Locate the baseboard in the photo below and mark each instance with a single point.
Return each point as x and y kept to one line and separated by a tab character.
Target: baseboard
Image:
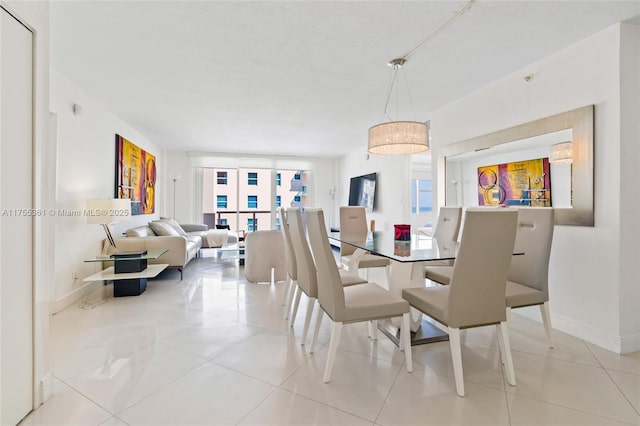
89	289
630	344
592	335
46	387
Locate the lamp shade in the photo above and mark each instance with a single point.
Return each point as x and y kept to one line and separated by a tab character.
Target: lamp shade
106	211
398	138
561	153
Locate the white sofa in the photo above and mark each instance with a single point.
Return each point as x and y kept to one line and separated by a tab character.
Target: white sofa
181	248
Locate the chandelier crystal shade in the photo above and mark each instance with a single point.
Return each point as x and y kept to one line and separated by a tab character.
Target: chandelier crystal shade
398	138
561	153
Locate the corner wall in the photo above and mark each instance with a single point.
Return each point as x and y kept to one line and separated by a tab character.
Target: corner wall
86	169
585	268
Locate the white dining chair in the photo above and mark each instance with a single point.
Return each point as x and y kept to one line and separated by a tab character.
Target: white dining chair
344	305
475	296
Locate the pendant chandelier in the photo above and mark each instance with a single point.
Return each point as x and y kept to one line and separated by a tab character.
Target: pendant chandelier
561	153
398	137
405	137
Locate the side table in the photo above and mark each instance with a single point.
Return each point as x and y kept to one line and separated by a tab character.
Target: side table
130	271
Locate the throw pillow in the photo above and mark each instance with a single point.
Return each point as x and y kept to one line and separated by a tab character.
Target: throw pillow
163	229
172	223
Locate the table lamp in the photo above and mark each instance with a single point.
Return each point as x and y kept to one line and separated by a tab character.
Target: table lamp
107	211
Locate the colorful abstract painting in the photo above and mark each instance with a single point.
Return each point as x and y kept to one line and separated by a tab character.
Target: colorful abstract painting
135	176
521	183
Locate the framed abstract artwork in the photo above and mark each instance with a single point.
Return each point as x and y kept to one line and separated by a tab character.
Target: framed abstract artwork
135	176
521	183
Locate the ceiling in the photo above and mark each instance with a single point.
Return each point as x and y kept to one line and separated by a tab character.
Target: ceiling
304	78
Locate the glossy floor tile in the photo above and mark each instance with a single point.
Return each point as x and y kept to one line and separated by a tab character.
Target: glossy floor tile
213	349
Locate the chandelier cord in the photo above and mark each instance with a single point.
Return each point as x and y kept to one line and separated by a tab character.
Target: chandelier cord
458	14
396	64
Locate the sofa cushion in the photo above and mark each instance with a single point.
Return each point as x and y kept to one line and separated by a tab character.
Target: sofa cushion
163	229
172	223
140	231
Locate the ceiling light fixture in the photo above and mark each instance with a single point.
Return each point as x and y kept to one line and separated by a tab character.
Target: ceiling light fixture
404	137
561	153
398	137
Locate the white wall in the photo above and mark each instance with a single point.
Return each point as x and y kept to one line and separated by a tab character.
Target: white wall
392	202
629	178
85	170
585	269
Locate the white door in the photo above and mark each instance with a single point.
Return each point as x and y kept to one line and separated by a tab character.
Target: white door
16	229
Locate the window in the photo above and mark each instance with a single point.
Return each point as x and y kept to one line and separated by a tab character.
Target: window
278	223
252	201
222	178
421	196
278	179
296	198
223	222
252	225
296	176
253	178
278	201
221	201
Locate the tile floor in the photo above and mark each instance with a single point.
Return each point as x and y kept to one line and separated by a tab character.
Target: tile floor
214	350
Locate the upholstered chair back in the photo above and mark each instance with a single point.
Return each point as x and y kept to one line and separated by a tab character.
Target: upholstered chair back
448	225
353	225
330	290
307	278
533	237
478	282
289	254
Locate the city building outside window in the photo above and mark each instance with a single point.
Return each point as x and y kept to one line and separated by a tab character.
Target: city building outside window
252	201
296	199
221	201
278	179
223	221
253	178
278	223
222	178
252	225
296	176
278	201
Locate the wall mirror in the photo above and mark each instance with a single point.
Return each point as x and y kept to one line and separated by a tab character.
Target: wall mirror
568	188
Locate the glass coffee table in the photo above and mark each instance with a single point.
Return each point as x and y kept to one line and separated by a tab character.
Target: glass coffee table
233	251
129	272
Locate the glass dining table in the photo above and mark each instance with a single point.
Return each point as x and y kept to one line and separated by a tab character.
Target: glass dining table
406	270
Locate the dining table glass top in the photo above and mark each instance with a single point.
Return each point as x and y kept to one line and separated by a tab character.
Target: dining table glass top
419	248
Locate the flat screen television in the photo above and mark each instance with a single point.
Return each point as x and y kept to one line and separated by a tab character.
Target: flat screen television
362	191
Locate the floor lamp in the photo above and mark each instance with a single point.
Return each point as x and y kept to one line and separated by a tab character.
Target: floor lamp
176	178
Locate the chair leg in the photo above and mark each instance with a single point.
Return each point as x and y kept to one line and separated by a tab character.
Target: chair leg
294	286
508	315
546	319
287	288
296	304
333	348
316	329
405	339
307	319
369	330
505	351
456	357
374	330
